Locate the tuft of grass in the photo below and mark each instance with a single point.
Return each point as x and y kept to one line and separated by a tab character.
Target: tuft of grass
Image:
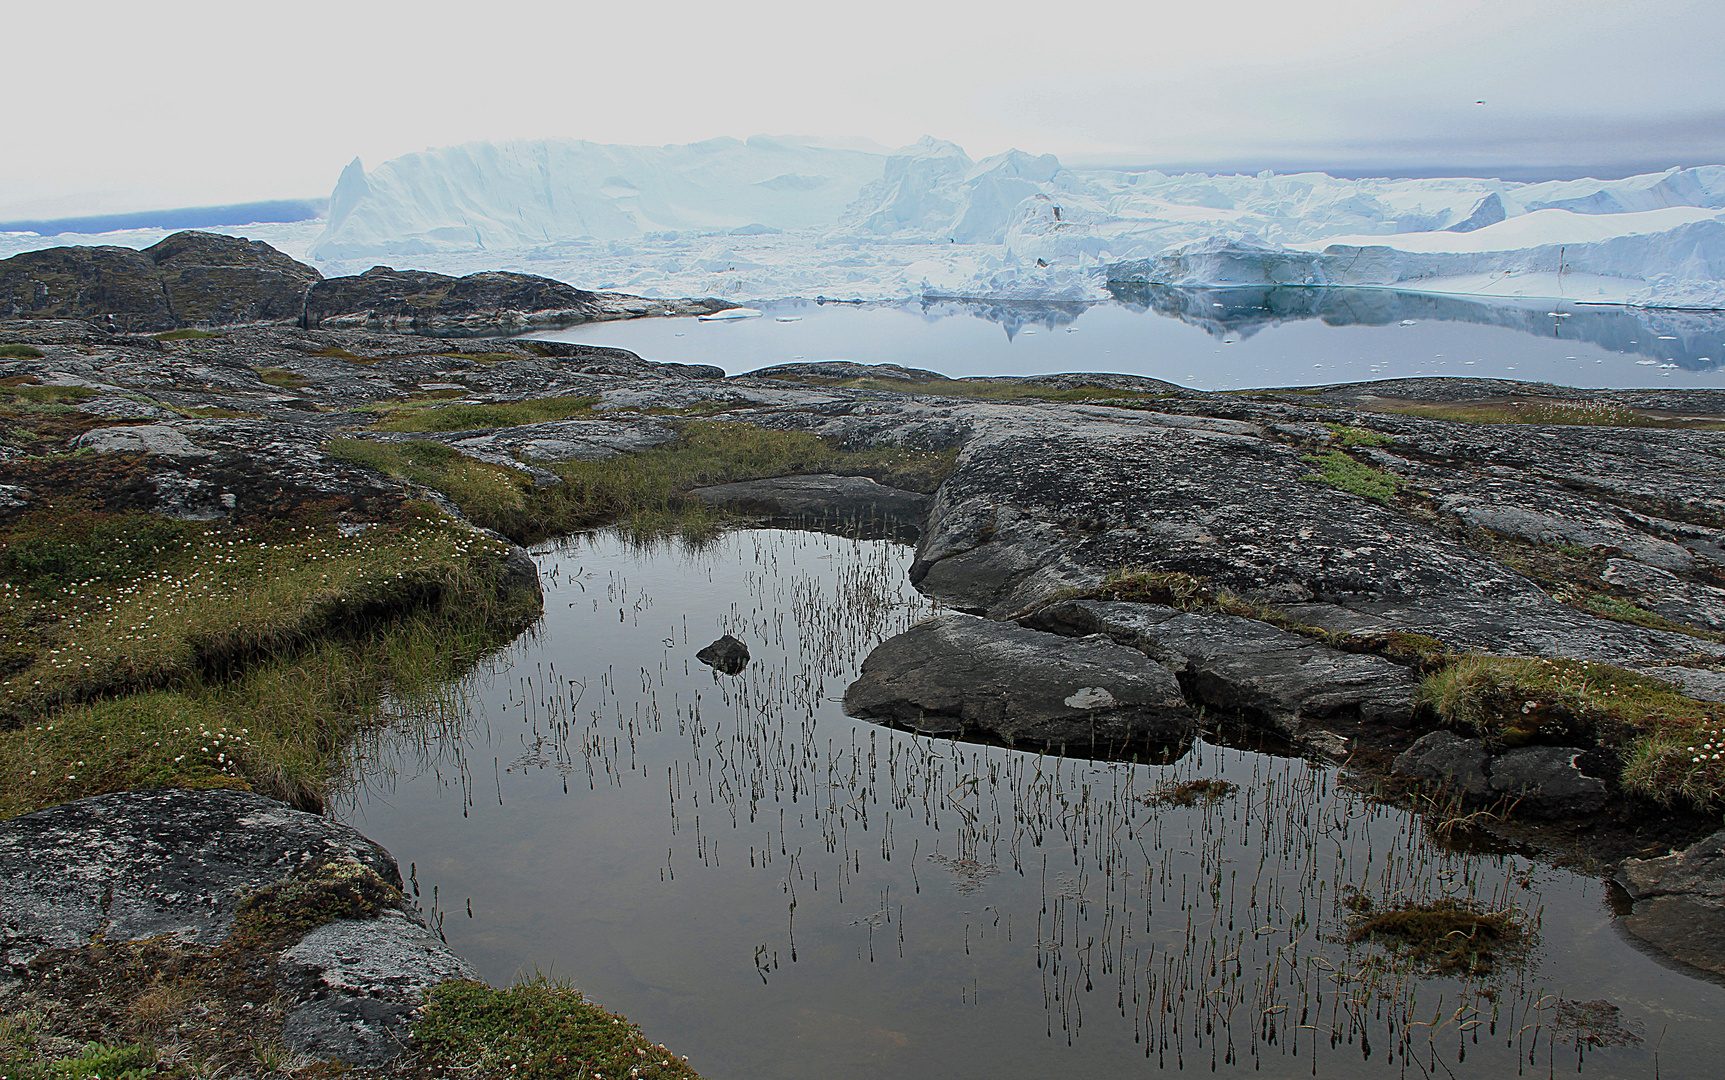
1617	609
281	377
1341	471
26	395
1190	793
1418	651
477	417
1188	593
20	352
537	1030
1518	700
490	495
187	334
1439	937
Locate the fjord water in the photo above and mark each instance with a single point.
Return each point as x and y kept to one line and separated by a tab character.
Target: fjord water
777	890
1213	339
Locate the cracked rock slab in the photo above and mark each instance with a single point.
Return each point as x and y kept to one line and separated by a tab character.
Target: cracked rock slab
957	673
1275	678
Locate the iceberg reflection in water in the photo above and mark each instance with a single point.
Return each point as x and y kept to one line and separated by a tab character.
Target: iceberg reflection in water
778	890
1212	339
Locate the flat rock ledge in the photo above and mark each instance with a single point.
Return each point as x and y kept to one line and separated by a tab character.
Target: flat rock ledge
957	674
142	864
1680	903
846	502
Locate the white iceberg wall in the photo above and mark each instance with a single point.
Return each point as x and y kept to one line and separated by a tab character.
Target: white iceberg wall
497	196
771	217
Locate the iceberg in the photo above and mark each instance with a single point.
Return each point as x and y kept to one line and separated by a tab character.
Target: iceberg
775	217
491	196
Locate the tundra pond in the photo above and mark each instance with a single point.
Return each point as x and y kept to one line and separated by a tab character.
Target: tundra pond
779	890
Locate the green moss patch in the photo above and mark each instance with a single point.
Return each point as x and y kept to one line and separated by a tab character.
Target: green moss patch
478	417
1355	436
1344	473
276	917
26	394
20	352
282	377
186	335
95	1061
537	1030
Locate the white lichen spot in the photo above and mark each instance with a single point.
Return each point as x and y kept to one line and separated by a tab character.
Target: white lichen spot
1091	697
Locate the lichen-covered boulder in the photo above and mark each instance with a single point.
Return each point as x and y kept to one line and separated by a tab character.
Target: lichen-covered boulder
138	864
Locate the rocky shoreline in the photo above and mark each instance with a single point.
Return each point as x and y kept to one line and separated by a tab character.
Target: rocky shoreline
1130	564
197	280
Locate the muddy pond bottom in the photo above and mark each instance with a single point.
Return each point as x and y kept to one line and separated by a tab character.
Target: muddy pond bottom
777	890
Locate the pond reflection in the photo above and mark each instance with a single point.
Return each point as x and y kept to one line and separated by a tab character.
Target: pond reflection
1210	339
778	890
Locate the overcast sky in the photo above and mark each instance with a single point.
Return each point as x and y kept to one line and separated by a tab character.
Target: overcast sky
126	105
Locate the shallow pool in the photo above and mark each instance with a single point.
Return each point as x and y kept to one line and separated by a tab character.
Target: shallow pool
1221	339
777	890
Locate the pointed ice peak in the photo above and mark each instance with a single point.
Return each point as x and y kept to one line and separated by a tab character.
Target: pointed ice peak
349	190
1039	169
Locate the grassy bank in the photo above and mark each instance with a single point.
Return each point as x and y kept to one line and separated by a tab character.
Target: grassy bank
138	651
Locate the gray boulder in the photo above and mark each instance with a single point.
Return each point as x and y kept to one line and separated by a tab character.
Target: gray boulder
958	674
1548	781
141	439
1449	760
1697	874
1275	678
1680	903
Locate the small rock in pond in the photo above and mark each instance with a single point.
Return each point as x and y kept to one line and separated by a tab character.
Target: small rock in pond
726	654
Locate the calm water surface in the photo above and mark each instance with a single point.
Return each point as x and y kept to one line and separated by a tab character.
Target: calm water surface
1213	339
777	890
